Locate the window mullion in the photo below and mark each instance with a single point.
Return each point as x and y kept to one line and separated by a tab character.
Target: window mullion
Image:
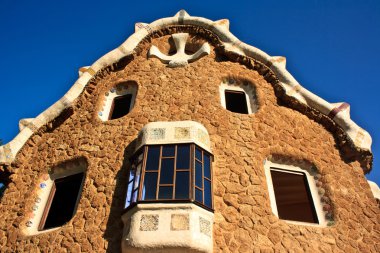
159	173
175	172
203	179
192	172
142	175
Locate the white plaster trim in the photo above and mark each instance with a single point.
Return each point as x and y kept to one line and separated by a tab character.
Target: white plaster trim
180	58
174	132
375	189
359	136
43	195
313	190
163	237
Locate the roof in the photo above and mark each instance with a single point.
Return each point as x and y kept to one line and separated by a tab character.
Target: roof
339	113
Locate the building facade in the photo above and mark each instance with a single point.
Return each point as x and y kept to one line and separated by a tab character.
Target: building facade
185	139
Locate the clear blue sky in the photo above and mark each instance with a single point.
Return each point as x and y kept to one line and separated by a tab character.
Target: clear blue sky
332	47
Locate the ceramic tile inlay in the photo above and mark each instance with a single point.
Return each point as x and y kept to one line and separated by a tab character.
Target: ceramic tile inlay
149	222
179	222
205	226
182	133
202	137
157	133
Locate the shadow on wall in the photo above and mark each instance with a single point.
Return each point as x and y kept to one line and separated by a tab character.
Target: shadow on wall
114	228
4	179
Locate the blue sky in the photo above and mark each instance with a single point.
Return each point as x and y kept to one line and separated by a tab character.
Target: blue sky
332	47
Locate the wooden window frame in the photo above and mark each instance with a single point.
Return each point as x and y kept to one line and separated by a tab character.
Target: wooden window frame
50	201
247	107
113	105
190	170
308	192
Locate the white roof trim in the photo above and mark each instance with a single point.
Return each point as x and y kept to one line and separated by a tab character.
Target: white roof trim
341	116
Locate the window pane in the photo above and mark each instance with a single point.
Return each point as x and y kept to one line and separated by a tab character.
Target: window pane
198	195
129	195
198	174
182	185
198	154
166	192
206	168
167	171
183	157
150	186
134	196
168	150
208	196
236	101
132	172
63	205
293	198
153	158
137	177
121	106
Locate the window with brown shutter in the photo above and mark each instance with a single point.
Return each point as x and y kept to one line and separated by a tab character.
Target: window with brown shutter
293	197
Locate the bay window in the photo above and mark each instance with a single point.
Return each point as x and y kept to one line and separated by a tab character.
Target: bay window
170	173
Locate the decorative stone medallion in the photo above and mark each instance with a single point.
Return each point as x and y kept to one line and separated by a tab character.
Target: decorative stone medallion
205	226
157	133
182	133
149	222
179	222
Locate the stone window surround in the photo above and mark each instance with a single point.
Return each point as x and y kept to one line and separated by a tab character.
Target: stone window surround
249	90
120	89
45	186
322	221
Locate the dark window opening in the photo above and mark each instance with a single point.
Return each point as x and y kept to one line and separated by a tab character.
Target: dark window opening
171	172
62	201
4	179
121	106
293	196
236	101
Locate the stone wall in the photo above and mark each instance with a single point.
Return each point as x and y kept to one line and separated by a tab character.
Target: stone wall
240	143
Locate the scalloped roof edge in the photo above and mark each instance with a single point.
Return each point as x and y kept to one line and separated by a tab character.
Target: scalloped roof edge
338	112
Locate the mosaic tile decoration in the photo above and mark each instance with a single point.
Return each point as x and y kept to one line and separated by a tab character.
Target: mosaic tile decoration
205	226
179	222
28	124
157	133
7	151
149	222
182	133
203	137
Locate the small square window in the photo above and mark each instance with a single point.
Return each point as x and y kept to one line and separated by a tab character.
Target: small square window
293	197
62	201
120	106
236	101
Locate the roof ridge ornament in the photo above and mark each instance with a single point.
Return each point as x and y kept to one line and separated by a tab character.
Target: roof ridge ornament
180	58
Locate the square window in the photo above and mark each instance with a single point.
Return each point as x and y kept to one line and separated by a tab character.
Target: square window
120	106
236	101
293	197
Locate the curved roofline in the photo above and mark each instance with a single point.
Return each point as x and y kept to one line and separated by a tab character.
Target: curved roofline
338	112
